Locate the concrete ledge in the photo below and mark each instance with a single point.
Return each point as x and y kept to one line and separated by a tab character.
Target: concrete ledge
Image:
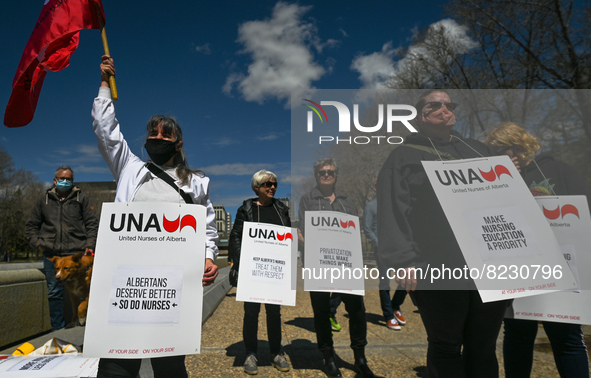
212	297
24	310
214	294
11	277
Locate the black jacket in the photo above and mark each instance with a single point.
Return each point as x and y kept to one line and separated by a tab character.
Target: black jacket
62	227
314	201
412	227
557	179
245	213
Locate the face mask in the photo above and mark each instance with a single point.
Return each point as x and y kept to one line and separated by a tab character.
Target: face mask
64	185
160	150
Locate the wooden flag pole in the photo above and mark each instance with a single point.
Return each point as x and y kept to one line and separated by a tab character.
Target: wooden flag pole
112	84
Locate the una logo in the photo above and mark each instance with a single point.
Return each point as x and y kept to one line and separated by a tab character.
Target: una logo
345	116
566	209
136	222
268	234
332	222
469	176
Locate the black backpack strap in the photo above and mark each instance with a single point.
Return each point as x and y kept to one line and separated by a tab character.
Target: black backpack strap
169	180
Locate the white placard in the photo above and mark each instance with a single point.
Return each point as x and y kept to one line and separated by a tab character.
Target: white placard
156	291
333	258
48	366
568	216
508	246
268	262
146	295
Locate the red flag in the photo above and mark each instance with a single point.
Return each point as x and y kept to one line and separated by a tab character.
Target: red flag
53	41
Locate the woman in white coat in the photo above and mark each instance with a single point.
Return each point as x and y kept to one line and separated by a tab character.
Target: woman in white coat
136	182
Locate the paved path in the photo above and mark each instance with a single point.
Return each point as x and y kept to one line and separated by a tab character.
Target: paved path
390	353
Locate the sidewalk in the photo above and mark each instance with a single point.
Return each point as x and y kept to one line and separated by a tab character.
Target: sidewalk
390	353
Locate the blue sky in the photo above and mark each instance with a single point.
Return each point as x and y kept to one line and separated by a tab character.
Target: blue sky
224	69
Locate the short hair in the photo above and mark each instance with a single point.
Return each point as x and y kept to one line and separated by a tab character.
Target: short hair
323	162
260	177
422	100
509	134
64	168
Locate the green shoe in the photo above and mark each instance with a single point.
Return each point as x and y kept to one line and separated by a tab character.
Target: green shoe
334	324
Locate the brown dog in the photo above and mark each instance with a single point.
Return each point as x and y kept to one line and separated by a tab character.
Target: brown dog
75	273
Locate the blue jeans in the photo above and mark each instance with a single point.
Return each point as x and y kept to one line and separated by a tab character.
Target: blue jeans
55	295
388	305
335	302
568	346
391	305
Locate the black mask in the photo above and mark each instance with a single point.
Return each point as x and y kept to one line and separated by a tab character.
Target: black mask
160	150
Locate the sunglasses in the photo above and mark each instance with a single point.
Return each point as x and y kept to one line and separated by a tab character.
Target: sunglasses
64	179
436	105
270	184
323	172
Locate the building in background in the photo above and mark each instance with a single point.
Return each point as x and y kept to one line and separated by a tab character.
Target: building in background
223	222
98	192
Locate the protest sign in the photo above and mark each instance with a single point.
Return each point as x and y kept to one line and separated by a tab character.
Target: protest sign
508	246
48	366
268	263
568	216
333	258
146	293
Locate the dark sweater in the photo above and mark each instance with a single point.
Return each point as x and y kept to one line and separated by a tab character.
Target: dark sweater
249	212
412	227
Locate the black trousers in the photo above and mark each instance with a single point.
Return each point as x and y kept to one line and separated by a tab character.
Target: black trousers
357	323
461	331
568	347
250	327
164	367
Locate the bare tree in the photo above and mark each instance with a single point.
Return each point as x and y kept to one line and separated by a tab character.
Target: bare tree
532	44
19	189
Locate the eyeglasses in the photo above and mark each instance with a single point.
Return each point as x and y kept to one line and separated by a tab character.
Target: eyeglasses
64	179
436	105
324	172
270	184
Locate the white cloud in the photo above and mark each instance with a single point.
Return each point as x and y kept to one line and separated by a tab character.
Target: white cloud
375	68
236	169
282	62
224	142
89	169
205	49
89	151
268	137
379	67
